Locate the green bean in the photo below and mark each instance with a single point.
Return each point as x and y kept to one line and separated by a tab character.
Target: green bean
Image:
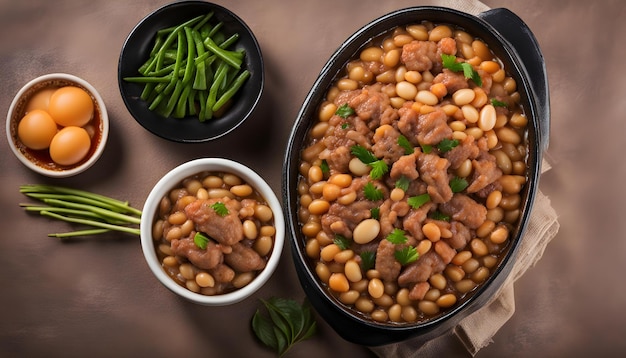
228	56
232	90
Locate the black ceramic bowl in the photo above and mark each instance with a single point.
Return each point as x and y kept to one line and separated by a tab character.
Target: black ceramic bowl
136	51
512	41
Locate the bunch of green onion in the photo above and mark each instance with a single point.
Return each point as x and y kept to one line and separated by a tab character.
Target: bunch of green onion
98	213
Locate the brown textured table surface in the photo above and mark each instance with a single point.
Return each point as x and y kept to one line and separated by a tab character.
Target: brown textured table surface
98	299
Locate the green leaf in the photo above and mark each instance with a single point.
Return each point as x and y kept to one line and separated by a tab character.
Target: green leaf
419	200
397	236
220	208
379	168
426	149
372	193
447	145
438	215
368	260
264	330
375	212
363	154
405	144
403	183
406	255
324	166
458	184
449	62
341	241
201	240
283	344
344	111
496	103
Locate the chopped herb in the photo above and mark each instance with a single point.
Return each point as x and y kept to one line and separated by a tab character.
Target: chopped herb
341	241
368	259
324	166
372	193
406	255
458	184
449	62
379	167
403	183
496	103
345	125
375	212
286	323
397	236
201	240
446	144
426	149
220	208
419	200
344	111
438	215
404	143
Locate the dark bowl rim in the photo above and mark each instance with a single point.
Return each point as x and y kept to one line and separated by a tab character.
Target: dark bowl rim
302	123
194	131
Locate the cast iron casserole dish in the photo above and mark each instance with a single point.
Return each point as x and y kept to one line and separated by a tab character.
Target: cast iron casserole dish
513	43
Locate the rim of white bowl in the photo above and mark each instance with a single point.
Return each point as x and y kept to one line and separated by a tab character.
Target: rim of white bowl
104	117
169	181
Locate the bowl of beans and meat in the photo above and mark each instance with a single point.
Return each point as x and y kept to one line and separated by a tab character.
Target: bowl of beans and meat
411	170
213	231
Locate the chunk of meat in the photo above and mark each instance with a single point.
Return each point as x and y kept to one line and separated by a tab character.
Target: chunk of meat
227	229
453	81
461	235
342	219
464	209
445	251
244	259
202	258
485	172
467	149
419	290
405	166
420	271
386	146
434	172
419	55
386	264
222	273
413	221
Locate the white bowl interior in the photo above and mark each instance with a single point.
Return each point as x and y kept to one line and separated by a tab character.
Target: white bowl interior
172	179
18	101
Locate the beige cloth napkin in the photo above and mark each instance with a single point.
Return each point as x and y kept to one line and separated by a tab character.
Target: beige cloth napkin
476	331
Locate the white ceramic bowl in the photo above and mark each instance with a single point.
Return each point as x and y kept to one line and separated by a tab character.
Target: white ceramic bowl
173	179
29	158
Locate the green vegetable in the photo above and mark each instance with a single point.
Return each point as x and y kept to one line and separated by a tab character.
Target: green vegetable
379	167
426	149
458	184
375	212
496	103
405	144
201	240
406	255
449	62
324	166
403	183
372	193
98	212
438	215
397	236
344	111
447	145
220	208
419	200
191	70
285	323
368	260
342	242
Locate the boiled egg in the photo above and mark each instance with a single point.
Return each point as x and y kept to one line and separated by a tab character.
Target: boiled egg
40	99
36	129
70	145
71	106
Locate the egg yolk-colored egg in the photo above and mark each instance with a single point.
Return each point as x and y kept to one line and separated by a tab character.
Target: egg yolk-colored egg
71	106
36	129
40	99
70	145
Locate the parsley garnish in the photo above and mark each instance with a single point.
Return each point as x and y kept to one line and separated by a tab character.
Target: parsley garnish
368	259
375	212
406	255
446	144
426	149
372	193
438	215
286	324
201	240
449	62
344	111
345	125
341	241
403	183
458	184
405	144
397	236
417	201
496	103
324	166
220	208
379	167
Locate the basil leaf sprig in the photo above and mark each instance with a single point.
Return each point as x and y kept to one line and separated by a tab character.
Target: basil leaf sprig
286	323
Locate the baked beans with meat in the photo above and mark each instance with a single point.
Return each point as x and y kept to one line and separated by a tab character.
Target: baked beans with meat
213	233
411	177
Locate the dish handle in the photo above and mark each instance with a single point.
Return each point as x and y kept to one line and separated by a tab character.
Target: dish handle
515	30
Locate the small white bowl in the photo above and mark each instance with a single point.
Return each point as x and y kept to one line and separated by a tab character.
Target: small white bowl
173	179
29	158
